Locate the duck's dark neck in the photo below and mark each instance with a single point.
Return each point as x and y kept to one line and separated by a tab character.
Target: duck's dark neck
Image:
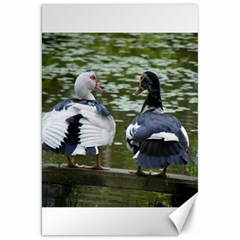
152	102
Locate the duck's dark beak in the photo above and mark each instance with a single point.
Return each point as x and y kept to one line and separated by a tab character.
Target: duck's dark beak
139	90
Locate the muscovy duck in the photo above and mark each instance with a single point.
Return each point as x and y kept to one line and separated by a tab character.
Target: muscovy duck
156	139
79	125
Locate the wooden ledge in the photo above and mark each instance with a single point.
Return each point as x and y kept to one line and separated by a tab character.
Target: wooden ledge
119	178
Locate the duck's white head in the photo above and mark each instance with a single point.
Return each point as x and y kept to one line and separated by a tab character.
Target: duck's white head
85	83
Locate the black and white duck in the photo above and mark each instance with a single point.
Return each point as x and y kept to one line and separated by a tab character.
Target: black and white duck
79	126
156	139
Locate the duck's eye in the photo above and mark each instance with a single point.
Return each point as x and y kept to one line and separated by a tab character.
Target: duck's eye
93	77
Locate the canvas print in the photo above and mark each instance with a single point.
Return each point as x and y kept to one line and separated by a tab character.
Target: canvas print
119	119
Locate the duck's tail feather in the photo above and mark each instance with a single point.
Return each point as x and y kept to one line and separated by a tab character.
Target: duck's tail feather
160	154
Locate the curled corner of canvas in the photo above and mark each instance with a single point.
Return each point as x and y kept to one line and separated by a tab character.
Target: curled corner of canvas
180	215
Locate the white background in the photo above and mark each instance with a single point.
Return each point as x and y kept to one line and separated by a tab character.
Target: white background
216	210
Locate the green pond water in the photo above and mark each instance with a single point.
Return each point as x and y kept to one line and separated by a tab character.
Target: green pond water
118	60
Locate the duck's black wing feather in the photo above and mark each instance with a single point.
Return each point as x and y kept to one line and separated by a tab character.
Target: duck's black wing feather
150	123
160	140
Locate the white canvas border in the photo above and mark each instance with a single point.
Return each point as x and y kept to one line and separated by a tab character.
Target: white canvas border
107	221
119	18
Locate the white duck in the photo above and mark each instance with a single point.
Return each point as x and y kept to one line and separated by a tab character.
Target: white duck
79	125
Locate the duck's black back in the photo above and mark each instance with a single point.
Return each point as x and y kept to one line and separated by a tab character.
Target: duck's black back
159	153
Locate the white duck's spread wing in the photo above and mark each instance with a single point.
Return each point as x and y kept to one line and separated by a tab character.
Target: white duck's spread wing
96	129
54	127
77	127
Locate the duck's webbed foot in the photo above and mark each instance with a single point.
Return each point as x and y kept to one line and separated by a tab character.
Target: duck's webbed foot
70	164
97	165
161	174
139	172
